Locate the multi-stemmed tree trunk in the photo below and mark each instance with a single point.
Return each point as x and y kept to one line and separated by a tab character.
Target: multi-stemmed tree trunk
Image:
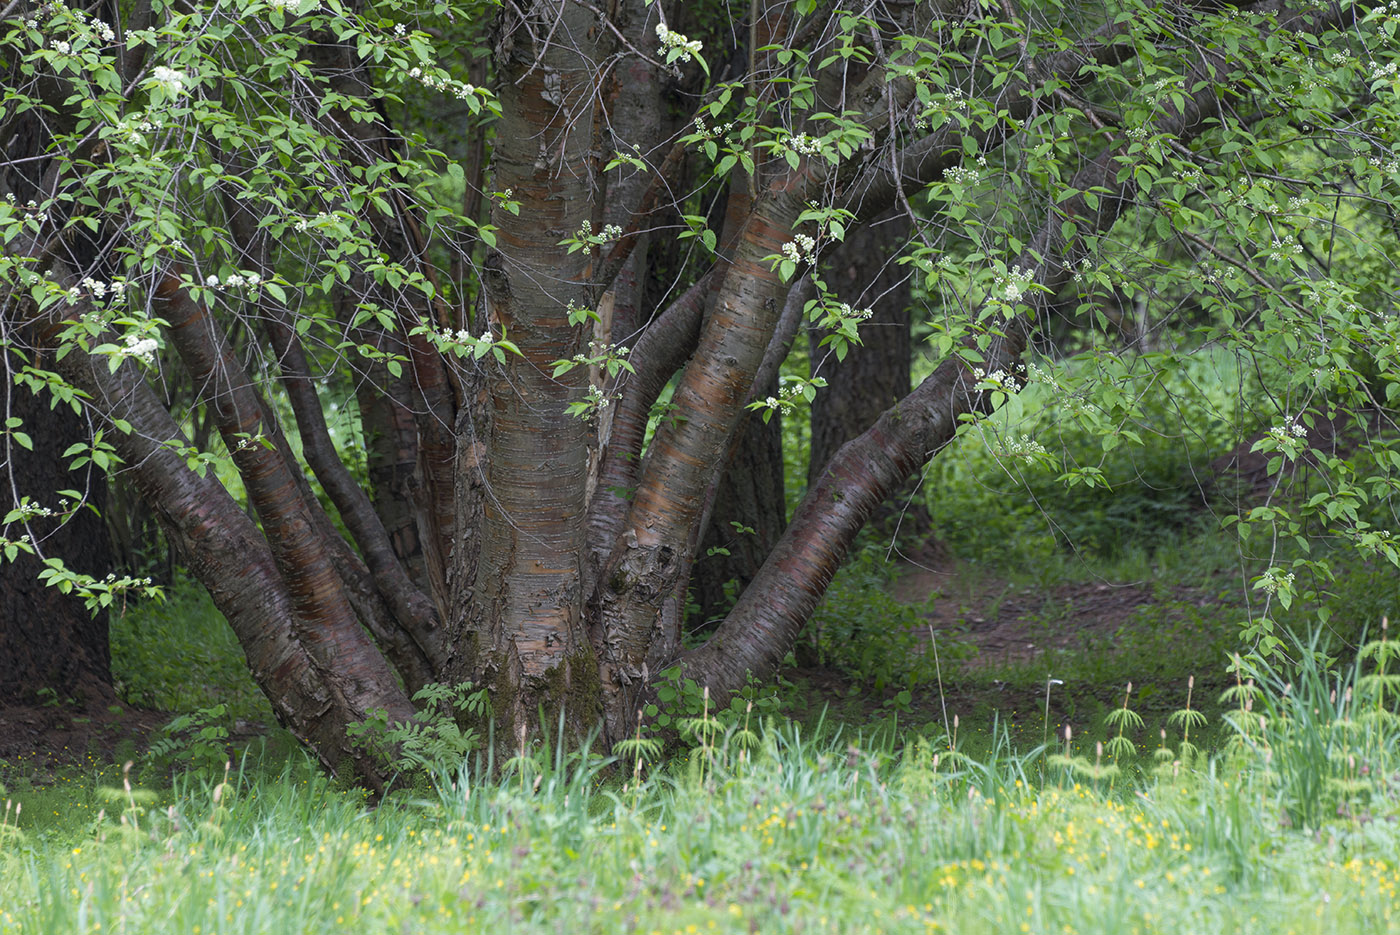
506	540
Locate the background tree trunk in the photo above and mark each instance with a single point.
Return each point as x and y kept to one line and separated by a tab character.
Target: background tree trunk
875	374
49	641
752	495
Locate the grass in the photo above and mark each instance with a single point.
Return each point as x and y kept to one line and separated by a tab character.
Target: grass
1288	828
156	646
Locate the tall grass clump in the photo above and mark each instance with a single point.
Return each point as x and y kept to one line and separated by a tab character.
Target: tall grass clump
1326	736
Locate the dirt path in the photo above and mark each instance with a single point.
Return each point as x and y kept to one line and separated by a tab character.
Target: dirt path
1007	624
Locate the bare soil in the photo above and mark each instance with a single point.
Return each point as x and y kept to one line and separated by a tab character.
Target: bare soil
1008	625
40	740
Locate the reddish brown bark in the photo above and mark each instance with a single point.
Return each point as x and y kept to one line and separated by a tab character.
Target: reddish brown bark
324	622
226	553
527	605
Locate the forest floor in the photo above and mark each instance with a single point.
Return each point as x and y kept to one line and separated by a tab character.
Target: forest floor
1003	641
39	741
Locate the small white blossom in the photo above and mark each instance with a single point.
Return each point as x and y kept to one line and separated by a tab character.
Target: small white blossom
1014	283
683	48
801	247
1023	447
143	349
172	80
958	175
804	145
1271	581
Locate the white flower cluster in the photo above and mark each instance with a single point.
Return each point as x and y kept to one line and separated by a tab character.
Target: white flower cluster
1288	437
684	47
597	398
458	89
952	100
234	281
958	175
1271	581
134	131
92	28
302	224
610	233
32	211
801	247
95	26
1137	133
174	82
999	379
844	310
804	145
143	349
1023	447
1392	165
97	290
711	133
1014	283
1283	250
596	350
294	6
1381	72
786	397
1163	87
1084	269
111	578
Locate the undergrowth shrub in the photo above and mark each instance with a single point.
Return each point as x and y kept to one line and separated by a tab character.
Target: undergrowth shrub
434	739
1058	469
859	630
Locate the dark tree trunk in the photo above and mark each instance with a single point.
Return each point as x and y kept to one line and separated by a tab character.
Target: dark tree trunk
875	374
49	641
748	518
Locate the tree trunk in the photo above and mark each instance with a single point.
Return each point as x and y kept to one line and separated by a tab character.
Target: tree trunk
530	642
505	553
875	374
50	643
748	517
